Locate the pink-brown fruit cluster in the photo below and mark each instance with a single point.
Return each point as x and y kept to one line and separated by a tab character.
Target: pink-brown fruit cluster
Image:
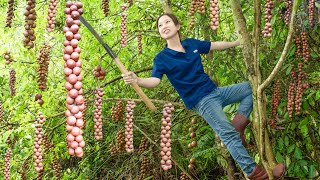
145	168
99	73
30	18
268	16
12	82
124	42
288	11
98	113
120	141
298	51
72	70
38	141
47	144
57	168
43	61
192	135
129	125
183	176
117	111
7	57
311	4
105	7
192	10
143	145
165	144
10	13
214	14
139	36
300	87
7	157
38	98
52	10
291	91
305	47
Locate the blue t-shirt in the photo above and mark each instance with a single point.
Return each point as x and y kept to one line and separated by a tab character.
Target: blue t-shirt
185	70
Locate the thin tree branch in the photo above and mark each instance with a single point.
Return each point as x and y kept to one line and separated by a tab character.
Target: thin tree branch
284	53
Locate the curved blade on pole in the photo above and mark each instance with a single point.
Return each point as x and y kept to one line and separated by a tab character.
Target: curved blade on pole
122	68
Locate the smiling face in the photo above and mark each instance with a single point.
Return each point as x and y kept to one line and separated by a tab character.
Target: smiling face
167	27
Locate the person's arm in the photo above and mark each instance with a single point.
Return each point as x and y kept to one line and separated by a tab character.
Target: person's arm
131	77
222	45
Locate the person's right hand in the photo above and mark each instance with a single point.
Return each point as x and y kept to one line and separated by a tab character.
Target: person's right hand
130	78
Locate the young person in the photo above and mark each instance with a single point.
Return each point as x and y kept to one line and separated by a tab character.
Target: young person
181	62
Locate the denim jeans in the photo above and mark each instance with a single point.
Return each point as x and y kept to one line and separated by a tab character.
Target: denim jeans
210	107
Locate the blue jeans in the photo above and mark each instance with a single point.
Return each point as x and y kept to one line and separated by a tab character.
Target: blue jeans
210	107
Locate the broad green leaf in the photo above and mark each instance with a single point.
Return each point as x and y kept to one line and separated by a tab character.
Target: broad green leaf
279	157
291	148
297	153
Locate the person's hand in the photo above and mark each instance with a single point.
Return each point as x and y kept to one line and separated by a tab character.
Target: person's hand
130	78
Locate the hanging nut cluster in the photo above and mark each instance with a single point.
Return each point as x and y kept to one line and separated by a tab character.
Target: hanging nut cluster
305	47
192	135
7	57
300	87
192	163
311	4
30	18
196	5
288	11
298	51
183	176
291	93
99	73
43	61
129	125
38	98
117	111
139	36
124	42
38	139
214	14
98	113
145	168
165	144
275	99
7	164
268	16
47	144
12	82
143	145
120	141
72	69
10	13
57	168
52	10
105	7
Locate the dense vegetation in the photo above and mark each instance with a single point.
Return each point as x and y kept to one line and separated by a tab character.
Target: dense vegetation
294	136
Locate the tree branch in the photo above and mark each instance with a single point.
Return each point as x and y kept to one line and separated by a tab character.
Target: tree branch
284	53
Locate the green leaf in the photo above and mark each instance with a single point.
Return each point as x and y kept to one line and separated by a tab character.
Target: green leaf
318	95
280	143
288	70
298	153
291	148
312	171
286	141
279	157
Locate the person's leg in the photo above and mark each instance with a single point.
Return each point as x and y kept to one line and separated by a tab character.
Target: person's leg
242	93
239	93
210	108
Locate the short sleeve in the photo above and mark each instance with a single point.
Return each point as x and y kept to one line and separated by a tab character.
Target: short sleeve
203	46
158	68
